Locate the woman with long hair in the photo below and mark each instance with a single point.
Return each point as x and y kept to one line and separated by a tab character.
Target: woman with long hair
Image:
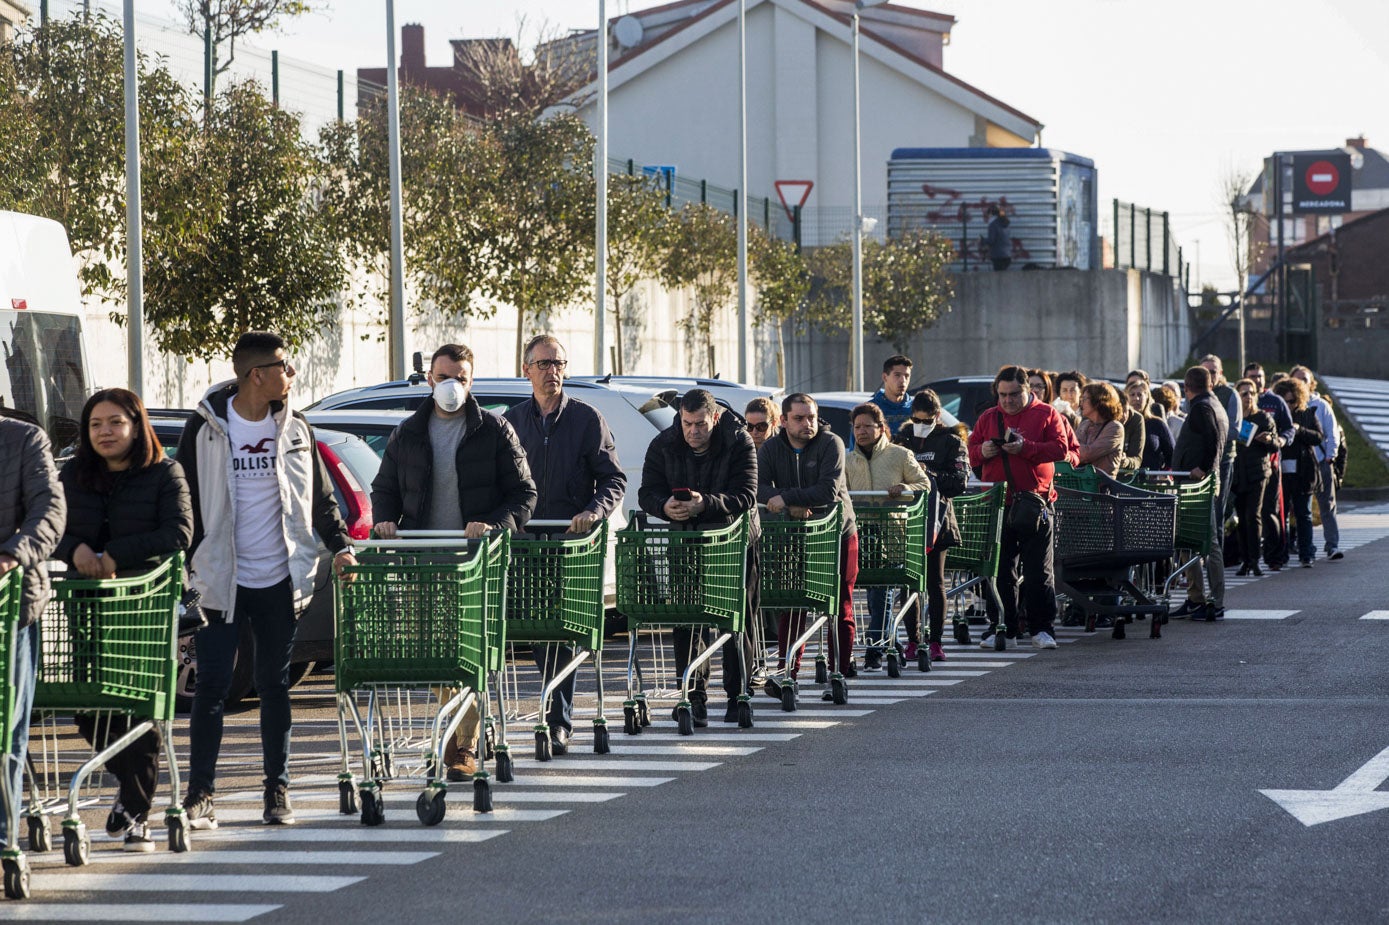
1100	434
1301	474
128	510
1157	439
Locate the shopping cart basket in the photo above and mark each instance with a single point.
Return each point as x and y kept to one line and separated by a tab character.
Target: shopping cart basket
975	559
799	564
15	864
894	535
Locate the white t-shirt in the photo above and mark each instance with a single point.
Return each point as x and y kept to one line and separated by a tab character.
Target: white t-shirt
262	558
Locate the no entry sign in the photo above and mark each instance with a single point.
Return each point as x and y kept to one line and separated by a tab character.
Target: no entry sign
1321	183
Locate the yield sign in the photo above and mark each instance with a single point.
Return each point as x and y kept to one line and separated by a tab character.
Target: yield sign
799	190
1352	797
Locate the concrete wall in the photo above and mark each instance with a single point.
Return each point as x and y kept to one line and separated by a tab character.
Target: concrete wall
1102	322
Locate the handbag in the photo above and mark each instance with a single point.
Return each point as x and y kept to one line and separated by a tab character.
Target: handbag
1027	509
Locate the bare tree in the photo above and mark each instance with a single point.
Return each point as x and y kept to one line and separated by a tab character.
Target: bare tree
230	20
1239	214
504	83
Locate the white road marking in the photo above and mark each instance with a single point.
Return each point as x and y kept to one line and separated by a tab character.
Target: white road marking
1259	614
400	826
65	882
132	912
459	799
527	765
200	856
1376	615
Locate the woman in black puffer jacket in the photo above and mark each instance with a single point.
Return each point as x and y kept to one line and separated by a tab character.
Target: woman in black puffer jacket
1252	469
128	509
942	453
1301	474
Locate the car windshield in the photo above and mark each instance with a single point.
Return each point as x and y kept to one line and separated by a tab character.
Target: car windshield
358	456
43	378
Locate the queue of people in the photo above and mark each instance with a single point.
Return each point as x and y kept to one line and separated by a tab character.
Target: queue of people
248	496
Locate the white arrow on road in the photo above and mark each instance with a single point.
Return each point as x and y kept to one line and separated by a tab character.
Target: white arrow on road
1352	797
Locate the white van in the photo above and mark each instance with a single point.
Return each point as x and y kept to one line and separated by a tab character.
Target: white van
44	377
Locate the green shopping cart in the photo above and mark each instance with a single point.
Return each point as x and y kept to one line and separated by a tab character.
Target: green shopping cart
975	559
15	864
894	535
800	573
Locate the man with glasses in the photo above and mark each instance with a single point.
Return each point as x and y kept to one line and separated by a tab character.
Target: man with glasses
260	492
800	473
453	466
573	460
1019	442
1274	542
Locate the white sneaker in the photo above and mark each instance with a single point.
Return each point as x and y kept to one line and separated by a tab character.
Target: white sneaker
987	642
1043	641
137	838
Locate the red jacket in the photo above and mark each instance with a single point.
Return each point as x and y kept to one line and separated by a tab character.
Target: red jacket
1047	439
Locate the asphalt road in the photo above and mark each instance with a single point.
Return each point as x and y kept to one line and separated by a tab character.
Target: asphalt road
1107	781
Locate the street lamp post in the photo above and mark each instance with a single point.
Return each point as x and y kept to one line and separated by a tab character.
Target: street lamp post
856	348
600	261
744	203
397	294
134	221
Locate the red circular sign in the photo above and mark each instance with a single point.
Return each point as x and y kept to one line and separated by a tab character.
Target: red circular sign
1323	178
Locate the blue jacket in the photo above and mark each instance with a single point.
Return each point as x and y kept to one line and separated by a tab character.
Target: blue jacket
895	412
572	456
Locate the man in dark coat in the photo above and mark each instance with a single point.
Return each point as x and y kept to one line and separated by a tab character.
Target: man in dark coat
32	512
573	459
708	455
453	466
1200	450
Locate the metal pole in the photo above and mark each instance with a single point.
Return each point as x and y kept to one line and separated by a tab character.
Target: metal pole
209	70
341	95
744	369
275	78
856	336
1280	313
135	282
600	261
397	297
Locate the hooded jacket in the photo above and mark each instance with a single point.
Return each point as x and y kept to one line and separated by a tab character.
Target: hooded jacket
812	478
942	454
1047	440
726	474
494	478
31	510
306	498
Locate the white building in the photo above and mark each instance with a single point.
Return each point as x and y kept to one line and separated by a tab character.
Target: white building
673	95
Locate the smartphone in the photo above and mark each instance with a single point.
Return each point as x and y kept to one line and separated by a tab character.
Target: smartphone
682	494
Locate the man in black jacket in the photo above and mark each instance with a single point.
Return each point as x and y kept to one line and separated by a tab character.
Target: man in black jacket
453	466
574	462
1199	450
32	512
800	473
1274	542
709	455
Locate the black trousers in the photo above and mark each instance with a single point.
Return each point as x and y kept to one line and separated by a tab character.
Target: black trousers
1275	548
1249	505
135	767
689	644
1028	555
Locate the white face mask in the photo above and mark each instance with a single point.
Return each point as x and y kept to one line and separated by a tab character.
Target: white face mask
449	395
923	430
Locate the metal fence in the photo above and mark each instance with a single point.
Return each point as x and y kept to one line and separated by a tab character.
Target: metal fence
1143	240
680	190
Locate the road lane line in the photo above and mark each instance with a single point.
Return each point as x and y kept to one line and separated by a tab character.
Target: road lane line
133	912
66	882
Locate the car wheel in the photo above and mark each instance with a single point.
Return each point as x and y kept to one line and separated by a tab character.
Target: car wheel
186	677
298	672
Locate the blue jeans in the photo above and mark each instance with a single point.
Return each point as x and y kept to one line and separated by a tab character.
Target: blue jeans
1326	500
879	601
1300	510
270	612
550	657
26	663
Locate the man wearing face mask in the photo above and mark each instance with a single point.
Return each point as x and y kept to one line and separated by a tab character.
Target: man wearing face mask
453	466
574	460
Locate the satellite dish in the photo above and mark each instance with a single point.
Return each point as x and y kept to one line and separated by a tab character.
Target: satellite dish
628	31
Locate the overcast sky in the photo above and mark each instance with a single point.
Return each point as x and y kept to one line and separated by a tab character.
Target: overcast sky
1166	97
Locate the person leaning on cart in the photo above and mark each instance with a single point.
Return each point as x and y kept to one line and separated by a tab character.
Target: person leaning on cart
260	492
31	522
453	466
1200	448
877	464
1019	441
128	509
800	472
573	459
710	455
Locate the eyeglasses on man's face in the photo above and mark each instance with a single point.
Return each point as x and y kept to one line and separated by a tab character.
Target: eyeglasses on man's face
548	365
282	362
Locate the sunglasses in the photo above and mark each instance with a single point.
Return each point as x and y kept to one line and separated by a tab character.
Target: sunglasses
283	362
923	420
760	428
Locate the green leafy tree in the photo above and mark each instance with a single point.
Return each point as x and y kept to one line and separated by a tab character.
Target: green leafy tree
702	254
781	280
267	257
906	285
636	211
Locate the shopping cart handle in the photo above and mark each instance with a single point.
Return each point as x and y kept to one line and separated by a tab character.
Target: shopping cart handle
422	539
880	494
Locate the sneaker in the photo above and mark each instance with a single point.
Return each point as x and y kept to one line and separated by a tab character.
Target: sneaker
699	710
1043	640
872	661
1187	609
910	653
1335	555
987	642
138	838
850	671
277	808
197	809
1306	563
1199	614
937	652
1214	612
119	821
730	712
773	688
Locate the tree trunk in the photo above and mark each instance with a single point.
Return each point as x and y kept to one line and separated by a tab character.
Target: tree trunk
520	337
617	322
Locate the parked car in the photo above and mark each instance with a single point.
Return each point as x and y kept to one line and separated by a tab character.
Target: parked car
966	397
733	395
352	465
835	408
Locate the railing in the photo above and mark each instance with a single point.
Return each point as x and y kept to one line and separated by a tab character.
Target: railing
1143	240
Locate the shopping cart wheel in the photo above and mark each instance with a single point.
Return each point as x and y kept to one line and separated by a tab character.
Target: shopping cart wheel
482	795
542	746
894	668
178	833
373	809
1000	640
744	714
630	724
77	846
347	798
962	633
600	739
839	691
430	806
1089	623
923	660
40	838
684	720
1119	624
17	877
822	671
505	770
643	712
1155	628
788	699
